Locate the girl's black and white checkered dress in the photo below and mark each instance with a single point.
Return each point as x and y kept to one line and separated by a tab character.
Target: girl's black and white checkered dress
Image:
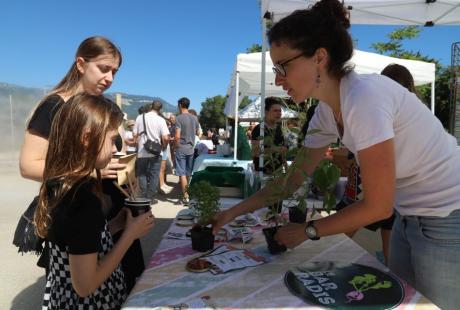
59	293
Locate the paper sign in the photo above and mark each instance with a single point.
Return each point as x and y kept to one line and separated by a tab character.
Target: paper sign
129	161
226	258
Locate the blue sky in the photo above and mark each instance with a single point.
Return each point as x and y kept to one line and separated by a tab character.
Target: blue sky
170	48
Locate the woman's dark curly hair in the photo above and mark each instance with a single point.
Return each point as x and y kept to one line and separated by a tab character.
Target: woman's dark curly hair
323	25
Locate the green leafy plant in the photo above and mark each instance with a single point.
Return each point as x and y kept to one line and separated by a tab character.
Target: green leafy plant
204	200
324	178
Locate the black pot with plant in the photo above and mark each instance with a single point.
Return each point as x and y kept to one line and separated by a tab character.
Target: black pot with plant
204	200
202	238
297	216
273	246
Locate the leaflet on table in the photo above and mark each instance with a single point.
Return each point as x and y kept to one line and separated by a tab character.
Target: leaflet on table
175	232
226	258
243	233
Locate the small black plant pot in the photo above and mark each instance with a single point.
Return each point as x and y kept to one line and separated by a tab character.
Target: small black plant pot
297	216
202	238
273	246
276	207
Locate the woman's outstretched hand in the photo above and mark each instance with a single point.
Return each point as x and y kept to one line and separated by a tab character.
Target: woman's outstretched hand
291	235
221	218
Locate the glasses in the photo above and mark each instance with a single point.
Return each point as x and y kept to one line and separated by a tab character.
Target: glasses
279	68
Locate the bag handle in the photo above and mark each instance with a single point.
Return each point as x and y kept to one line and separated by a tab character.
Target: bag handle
143	120
145	127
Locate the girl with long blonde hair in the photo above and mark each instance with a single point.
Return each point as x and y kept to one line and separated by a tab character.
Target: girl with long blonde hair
84	262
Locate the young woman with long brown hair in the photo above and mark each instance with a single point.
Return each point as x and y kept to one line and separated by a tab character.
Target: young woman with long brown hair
84	263
93	70
96	62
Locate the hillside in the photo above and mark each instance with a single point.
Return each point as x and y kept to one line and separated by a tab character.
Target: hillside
14	113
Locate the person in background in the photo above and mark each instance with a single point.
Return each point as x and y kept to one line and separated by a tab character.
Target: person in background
163	187
193	112
213	135
84	263
129	137
249	130
148	165
381	122
172	134
291	135
400	74
187	127
274	153
243	150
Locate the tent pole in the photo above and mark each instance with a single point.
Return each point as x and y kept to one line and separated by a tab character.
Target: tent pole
262	92
432	97
235	126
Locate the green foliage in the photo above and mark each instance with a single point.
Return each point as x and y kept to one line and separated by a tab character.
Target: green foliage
204	199
325	178
245	102
255	48
212	112
394	48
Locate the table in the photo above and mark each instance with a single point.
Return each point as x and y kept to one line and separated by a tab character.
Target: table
166	282
206	160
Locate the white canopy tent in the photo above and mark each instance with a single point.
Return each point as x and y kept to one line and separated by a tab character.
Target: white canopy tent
379	12
251	112
373	12
248	70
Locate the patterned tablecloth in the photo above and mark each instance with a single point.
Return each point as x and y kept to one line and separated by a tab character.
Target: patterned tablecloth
166	283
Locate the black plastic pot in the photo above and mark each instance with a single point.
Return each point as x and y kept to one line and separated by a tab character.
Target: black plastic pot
276	207
273	246
202	238
297	216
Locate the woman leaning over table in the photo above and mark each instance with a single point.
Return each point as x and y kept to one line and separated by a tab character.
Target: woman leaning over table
403	151
96	63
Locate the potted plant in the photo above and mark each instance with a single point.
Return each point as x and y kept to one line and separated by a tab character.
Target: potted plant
204	201
324	178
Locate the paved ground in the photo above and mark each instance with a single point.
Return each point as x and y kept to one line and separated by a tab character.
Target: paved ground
22	283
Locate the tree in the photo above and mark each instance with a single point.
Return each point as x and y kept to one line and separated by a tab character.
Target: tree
394	48
212	112
255	48
245	102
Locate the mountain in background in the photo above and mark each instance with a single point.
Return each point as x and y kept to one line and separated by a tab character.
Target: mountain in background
132	103
14	113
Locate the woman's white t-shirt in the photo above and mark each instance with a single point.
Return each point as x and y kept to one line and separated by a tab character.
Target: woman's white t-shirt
375	109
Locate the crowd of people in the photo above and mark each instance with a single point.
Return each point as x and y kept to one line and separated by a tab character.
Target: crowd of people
403	182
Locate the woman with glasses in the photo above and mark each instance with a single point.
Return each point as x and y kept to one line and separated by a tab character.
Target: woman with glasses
382	123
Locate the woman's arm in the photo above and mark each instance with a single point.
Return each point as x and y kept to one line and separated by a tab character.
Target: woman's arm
377	165
88	273
32	156
306	161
